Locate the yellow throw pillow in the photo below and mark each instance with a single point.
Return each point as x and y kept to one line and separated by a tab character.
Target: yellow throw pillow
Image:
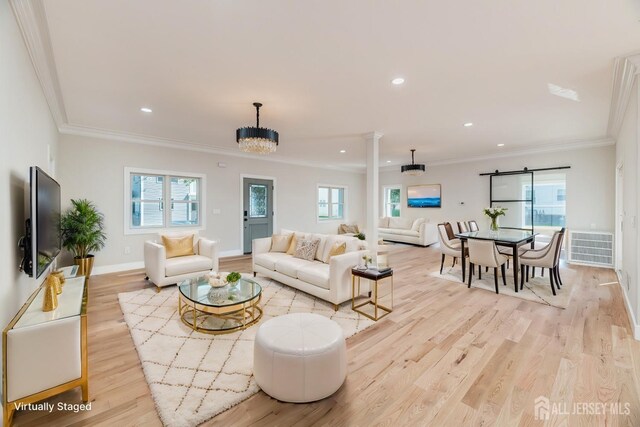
337	249
178	246
280	242
292	246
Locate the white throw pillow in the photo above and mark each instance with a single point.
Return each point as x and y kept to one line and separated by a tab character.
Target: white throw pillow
383	222
417	223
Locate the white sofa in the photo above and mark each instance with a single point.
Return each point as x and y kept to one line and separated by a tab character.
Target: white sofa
163	271
330	281
406	230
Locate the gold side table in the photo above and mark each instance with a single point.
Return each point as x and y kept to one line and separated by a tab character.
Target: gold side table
374	276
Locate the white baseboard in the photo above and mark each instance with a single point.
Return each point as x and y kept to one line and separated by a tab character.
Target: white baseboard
234	252
632	318
116	268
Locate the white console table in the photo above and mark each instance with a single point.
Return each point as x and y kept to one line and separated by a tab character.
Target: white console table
45	353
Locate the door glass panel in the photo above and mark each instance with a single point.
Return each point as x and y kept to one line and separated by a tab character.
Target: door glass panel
257	201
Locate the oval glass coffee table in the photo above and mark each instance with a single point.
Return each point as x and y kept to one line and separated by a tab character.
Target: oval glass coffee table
219	310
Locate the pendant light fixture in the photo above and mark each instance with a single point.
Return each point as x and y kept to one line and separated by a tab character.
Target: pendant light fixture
414	168
256	139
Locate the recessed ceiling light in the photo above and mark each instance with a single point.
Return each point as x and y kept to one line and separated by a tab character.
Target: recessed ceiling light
388	161
343	151
500	145
146	110
468	124
397	81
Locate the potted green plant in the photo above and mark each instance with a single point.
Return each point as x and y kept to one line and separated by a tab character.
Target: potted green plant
81	228
233	277
360	236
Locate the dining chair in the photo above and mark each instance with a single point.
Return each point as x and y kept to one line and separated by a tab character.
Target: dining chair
547	257
448	245
462	227
473	225
485	253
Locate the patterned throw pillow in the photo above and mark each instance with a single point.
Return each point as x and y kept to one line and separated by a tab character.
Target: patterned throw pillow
280	242
306	249
348	229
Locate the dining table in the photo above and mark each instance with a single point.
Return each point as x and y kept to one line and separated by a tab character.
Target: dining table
506	237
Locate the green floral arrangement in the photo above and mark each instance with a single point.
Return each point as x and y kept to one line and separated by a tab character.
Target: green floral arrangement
494	213
360	236
233	277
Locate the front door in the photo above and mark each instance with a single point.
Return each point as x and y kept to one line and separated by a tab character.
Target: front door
257	210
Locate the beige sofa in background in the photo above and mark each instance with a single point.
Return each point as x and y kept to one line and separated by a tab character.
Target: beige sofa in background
405	230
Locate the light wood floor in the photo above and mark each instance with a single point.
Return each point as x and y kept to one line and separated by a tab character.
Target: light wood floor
446	356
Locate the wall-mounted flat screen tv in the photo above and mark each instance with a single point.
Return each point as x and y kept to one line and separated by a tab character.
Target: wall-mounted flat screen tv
45	220
424	196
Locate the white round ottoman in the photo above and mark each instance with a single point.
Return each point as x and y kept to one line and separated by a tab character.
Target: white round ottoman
300	357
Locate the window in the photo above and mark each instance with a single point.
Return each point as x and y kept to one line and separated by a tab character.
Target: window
392	201
330	203
161	200
549	195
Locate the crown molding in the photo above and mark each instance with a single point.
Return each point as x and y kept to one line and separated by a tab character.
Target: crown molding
70	129
538	149
31	18
625	70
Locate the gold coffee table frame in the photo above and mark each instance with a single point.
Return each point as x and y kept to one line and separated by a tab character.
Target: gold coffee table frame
245	313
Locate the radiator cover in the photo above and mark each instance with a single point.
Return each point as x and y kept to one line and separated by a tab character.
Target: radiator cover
591	248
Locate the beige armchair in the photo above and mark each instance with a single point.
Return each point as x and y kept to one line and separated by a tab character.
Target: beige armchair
163	271
547	257
484	253
449	245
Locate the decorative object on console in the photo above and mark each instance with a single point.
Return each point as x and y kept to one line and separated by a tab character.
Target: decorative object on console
60	275
414	169
424	196
494	213
82	232
256	139
50	300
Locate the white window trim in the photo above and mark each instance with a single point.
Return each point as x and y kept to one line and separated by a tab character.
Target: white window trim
345	210
384	198
128	230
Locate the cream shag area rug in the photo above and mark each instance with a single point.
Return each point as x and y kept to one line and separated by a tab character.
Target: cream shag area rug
537	289
195	376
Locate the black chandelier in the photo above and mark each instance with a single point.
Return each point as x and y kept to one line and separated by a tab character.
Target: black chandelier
414	168
256	139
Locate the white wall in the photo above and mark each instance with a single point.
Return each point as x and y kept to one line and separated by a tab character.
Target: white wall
590	183
627	157
27	132
94	168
